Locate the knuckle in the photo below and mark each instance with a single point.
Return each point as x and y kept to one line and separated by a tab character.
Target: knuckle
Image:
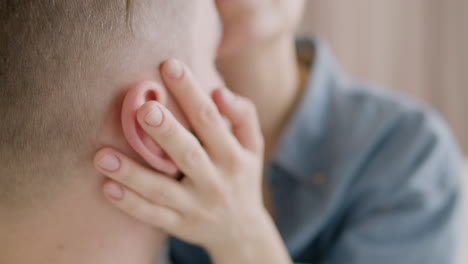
242	99
208	115
217	192
246	107
169	129
214	196
249	107
200	216
127	174
132	207
160	195
235	161
167	221
192	157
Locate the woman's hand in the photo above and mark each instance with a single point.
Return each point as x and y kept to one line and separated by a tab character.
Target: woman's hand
218	204
252	23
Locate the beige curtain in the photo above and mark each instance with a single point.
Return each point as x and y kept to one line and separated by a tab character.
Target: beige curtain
419	47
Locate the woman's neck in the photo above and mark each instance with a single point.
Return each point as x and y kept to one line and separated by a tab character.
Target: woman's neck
270	77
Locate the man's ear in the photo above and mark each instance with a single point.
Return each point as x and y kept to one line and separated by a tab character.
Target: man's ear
141	142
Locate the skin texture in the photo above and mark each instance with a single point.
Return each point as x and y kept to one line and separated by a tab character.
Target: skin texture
70	221
66	66
218	200
219	204
257	58
115	237
249	24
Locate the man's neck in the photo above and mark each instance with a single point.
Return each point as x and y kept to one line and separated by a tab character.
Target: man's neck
79	229
270	77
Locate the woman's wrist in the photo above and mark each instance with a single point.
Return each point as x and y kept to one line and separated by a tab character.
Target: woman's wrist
259	243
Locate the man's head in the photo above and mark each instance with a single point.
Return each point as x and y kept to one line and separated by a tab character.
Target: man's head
65	67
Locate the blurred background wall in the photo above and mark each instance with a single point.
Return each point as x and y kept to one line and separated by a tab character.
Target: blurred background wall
419	47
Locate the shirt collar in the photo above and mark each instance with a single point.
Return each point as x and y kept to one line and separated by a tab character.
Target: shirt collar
302	145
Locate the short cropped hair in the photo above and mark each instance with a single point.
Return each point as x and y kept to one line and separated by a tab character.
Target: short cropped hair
58	62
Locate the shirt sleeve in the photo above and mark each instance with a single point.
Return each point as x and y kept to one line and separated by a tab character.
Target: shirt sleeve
405	201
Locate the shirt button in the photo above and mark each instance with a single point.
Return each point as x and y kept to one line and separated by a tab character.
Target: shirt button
319	179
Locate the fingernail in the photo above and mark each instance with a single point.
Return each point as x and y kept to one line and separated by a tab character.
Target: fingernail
174	69
154	117
109	163
114	191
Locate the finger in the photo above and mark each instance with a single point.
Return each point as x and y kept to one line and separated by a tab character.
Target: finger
182	146
199	108
156	187
136	206
243	117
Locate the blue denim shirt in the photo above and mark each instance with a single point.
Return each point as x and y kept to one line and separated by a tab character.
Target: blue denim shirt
361	176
